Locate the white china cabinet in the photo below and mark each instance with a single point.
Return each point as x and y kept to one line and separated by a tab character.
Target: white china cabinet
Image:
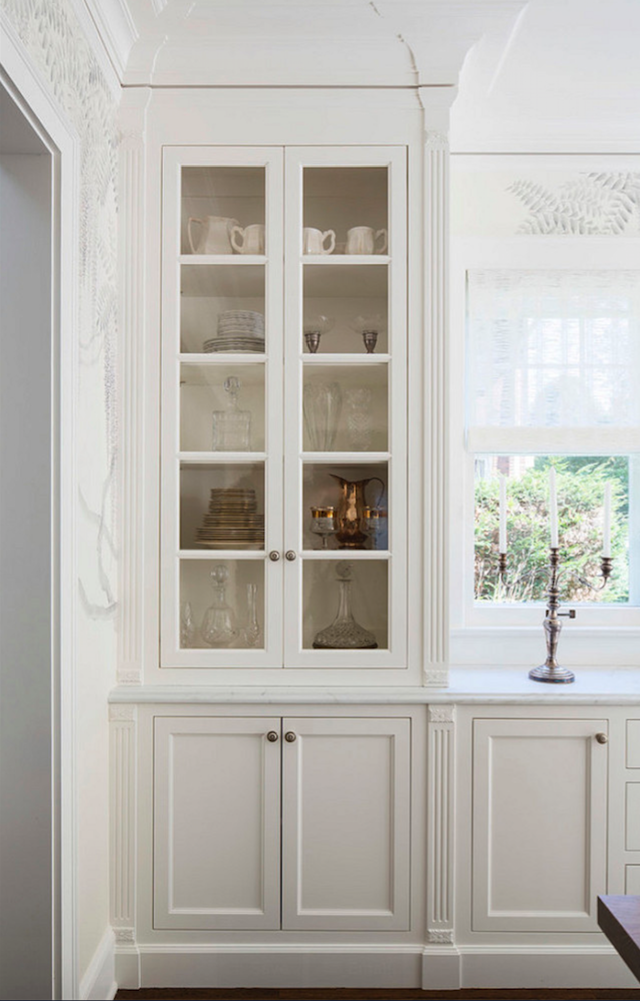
284	408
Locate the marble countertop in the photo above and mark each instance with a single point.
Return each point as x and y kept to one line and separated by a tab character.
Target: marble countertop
467	685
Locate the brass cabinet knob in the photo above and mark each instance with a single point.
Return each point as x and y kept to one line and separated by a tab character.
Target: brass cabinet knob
290	555
272	736
274	555
290	736
602	738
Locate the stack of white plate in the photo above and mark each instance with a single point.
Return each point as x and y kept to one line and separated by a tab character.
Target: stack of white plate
238	330
232	521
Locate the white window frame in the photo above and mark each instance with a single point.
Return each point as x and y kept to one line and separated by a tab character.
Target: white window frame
491	633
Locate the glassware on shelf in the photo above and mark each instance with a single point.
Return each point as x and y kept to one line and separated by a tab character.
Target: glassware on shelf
344	633
314	326
232	427
351	528
322	405
359	418
323	523
219	622
369	326
252	632
377	522
187	626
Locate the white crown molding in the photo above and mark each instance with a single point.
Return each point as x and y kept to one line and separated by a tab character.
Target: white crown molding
111	32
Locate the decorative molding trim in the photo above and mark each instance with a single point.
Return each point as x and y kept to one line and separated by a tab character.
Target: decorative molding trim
595	203
115	29
440	825
435	677
441	713
123	820
122	712
440	937
436	263
132	121
99	979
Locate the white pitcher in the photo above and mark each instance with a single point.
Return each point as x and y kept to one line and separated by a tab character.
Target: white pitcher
313	241
215	233
251	237
362	240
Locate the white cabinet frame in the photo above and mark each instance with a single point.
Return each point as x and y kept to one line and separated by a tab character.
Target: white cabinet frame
175	158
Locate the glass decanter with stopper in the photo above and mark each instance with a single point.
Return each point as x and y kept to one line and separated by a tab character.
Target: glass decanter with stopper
344	633
232	427
219	622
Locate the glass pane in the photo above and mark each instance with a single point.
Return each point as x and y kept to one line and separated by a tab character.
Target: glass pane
345	604
345	207
222	408
217	199
345	507
345	308
345	408
554	348
222	604
222	308
581	481
222	506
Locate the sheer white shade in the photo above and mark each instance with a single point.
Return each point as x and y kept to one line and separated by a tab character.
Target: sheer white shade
553	361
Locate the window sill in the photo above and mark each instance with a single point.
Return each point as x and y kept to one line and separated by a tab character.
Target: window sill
525	645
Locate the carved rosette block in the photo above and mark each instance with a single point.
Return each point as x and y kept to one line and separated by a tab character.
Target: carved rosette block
440	823
123	726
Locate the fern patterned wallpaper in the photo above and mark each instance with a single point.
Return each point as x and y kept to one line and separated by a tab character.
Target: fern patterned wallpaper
58	52
498	201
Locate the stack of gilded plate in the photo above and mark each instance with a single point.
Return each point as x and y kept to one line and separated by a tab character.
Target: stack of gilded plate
238	330
232	521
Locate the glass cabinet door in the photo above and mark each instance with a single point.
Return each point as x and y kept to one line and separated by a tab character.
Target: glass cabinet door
221	497
345	431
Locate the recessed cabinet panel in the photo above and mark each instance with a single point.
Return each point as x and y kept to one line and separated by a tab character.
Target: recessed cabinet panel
346	826
539	824
633	743
632	824
217	824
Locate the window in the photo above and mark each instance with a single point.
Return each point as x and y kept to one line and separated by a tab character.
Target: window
547	358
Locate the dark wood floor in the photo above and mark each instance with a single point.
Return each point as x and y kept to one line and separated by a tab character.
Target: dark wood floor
343	994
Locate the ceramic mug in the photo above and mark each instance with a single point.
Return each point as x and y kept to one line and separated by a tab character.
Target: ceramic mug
313	241
214	235
362	240
252	238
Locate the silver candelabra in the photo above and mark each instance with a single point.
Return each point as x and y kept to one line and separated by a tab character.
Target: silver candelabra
551	672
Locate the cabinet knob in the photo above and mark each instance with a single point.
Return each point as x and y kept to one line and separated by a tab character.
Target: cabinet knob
290	555
602	738
272	736
290	736
274	555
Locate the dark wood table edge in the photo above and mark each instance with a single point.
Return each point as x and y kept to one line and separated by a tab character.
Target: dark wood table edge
619	919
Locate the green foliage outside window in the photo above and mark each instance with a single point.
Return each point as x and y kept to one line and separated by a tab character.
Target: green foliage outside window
580	484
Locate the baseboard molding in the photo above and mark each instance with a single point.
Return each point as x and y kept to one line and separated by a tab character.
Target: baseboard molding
543	966
438	967
99	980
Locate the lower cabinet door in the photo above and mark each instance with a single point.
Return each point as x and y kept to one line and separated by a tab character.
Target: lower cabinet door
217	823
346	824
539	824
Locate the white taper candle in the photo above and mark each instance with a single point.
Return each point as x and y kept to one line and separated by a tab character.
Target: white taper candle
503	514
606	534
553	508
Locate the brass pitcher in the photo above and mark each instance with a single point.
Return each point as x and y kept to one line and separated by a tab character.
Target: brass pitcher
350	519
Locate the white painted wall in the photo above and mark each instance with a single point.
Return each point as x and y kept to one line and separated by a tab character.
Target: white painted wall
54	45
26	649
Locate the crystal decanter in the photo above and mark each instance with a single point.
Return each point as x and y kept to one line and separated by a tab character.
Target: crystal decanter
344	633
